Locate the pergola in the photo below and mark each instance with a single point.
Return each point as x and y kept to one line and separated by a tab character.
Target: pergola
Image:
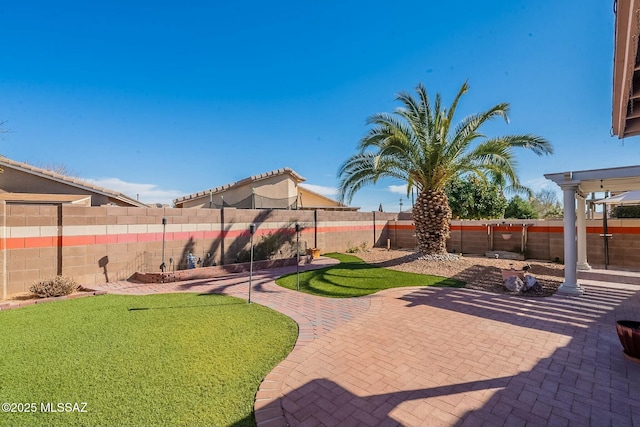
576	185
626	69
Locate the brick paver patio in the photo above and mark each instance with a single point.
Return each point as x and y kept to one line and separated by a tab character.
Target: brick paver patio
444	357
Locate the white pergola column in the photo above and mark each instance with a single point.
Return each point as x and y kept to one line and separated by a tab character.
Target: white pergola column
570	285
582	235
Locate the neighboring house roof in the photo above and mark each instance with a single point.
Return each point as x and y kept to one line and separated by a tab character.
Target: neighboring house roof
331	203
74	199
626	70
6	163
244	181
254	181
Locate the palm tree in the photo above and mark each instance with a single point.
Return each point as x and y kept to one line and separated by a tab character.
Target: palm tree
417	144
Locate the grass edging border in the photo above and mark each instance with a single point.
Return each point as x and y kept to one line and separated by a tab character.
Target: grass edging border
210	272
11	305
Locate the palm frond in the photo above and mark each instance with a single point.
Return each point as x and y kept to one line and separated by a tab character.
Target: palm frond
366	168
420	144
537	144
452	109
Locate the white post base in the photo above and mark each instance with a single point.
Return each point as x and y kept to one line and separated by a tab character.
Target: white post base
584	266
572	289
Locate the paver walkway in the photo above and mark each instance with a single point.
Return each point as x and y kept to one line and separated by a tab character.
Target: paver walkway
445	357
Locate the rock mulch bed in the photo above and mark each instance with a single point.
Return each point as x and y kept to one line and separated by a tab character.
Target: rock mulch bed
478	272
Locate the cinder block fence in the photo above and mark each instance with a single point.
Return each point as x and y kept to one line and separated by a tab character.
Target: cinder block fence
102	244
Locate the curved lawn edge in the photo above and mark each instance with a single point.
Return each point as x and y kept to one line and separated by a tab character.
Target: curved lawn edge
127	314
269	410
269	406
354	277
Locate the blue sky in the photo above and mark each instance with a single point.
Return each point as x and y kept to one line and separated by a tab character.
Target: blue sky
164	99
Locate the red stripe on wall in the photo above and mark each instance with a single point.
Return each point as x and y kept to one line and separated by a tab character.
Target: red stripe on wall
211	234
77	240
335	229
149	237
237	233
127	238
43	242
614	230
468	227
180	235
106	239
401	227
52	241
16	243
513	228
545	229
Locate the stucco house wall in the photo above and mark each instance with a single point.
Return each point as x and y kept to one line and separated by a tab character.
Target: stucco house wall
275	187
22	178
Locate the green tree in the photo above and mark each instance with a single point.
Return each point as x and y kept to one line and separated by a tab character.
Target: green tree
472	198
420	144
546	204
520	209
626	212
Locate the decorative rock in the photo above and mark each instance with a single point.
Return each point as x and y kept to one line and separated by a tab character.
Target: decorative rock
514	283
529	282
439	257
537	289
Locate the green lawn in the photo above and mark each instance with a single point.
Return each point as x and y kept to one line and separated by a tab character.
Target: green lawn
171	359
353	277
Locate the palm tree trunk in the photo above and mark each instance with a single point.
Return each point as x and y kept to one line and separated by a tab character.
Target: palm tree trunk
431	217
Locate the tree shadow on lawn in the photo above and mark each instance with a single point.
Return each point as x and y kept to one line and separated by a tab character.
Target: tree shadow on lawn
437	282
173	307
216	286
329	277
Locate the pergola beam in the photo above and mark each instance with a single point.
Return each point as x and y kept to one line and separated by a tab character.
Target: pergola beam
580	183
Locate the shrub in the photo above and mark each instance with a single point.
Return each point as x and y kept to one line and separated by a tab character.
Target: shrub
351	249
472	198
54	287
520	208
626	212
362	247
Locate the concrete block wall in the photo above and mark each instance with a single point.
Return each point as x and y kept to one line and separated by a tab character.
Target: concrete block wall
30	244
545	239
624	243
402	234
550	241
538	241
107	243
339	231
3	250
100	244
471	239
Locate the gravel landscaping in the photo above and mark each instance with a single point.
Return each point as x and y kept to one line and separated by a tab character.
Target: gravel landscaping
480	273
